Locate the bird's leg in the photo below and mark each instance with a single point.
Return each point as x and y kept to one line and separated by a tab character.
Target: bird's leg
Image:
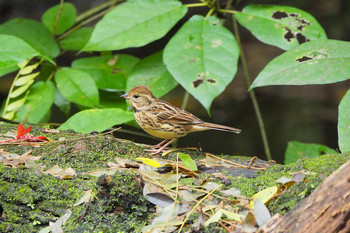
157	151
159	144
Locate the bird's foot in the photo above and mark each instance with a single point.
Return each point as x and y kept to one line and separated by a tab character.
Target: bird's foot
156	150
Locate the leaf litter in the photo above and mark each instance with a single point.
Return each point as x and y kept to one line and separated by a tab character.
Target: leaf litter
177	189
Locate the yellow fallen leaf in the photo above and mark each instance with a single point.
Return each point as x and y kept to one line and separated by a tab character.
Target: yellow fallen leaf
265	195
150	162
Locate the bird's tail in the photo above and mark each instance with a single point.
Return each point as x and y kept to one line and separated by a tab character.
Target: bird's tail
220	127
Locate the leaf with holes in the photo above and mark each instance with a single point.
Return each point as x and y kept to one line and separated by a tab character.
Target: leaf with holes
202	57
152	73
14	51
38	102
314	62
97	120
66	19
281	26
33	33
109	72
77	86
135	23
344	124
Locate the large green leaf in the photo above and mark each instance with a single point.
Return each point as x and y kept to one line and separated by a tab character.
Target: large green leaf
344	124
13	51
97	120
109	72
77	39
77	86
66	19
314	62
33	33
281	26
135	23
202	57
152	72
38	103
297	150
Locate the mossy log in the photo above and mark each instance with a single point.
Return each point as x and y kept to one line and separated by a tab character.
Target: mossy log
327	209
30	199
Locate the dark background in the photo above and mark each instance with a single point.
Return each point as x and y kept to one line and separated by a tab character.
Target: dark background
302	113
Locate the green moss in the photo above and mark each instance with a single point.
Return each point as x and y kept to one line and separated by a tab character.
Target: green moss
116	206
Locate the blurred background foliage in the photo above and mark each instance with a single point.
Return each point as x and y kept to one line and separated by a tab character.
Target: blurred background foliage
303	113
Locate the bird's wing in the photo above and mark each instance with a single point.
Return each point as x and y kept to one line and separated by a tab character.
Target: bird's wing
166	112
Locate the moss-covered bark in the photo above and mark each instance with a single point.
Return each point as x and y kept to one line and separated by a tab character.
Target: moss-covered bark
30	199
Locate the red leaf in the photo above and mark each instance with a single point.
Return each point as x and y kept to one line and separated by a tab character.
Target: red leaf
21	131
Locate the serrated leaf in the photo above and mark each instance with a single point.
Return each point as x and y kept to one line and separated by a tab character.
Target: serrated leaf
281	26
66	19
314	62
38	103
13	51
152	72
297	150
202	57
344	124
77	39
135	23
77	86
188	161
33	33
97	120
19	91
26	79
109	72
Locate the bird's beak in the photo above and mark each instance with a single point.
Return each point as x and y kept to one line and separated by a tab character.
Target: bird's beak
126	96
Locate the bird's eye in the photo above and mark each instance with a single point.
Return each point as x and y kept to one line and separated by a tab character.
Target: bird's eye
136	96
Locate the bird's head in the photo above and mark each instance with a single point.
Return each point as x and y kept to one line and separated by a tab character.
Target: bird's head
139	97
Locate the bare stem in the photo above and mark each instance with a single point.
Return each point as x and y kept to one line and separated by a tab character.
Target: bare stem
252	93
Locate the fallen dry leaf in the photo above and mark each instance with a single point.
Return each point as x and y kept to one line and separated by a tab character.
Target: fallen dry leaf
66	174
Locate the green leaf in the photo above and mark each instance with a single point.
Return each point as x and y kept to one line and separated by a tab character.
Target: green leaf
111	99
96	120
26	79
33	33
77	39
77	86
13	51
67	17
152	72
344	124
135	23
214	218
19	91
188	161
62	103
202	57
314	62
16	104
281	26
297	150
38	103
109	72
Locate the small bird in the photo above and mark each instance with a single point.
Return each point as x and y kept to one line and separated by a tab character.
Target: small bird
164	120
